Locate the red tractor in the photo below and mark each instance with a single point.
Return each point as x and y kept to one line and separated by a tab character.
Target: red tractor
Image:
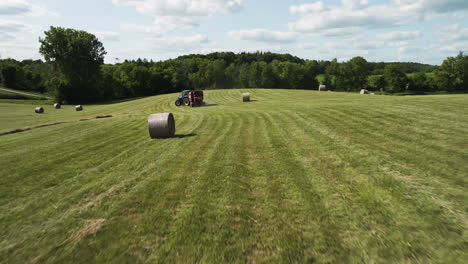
190	97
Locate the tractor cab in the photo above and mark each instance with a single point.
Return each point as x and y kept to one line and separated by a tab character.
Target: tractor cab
184	94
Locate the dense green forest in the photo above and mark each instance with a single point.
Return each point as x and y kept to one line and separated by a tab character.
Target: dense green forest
74	76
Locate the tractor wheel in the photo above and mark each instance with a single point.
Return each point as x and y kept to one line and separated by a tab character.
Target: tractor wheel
186	102
178	102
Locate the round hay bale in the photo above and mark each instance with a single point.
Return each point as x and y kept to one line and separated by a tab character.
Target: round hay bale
322	87
161	125
79	108
57	106
364	91
64	102
39	110
246	97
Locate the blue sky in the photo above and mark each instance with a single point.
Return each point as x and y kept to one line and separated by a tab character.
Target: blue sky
424	31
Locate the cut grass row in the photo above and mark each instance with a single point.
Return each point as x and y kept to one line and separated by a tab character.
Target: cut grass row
331	177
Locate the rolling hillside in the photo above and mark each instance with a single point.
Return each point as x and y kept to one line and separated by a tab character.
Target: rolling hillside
6	93
293	176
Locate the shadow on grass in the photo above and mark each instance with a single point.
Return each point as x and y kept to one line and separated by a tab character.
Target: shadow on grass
176	136
207	105
251	101
184	135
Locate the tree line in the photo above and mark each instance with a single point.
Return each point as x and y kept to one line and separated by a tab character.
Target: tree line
74	70
355	74
31	75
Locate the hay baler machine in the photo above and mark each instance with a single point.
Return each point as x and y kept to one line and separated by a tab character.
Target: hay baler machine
190	98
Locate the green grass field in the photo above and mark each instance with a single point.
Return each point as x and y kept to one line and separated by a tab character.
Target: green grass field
292	177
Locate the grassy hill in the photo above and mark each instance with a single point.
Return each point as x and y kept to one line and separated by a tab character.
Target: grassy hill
6	93
294	176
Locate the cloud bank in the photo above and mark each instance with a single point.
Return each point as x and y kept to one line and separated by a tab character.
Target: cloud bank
172	15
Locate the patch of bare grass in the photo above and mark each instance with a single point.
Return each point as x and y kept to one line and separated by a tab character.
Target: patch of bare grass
92	227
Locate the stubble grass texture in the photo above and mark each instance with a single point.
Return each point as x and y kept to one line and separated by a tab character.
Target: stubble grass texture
293	177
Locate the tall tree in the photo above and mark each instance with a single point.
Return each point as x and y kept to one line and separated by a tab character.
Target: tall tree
9	76
395	79
453	73
350	75
360	71
78	56
311	69
419	82
376	82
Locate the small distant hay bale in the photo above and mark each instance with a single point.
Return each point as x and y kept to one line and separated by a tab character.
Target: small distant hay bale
79	108
322	87
57	106
39	110
246	97
64	102
372	93
364	91
161	125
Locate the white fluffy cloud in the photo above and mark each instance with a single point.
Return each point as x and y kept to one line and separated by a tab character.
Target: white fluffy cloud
23	8
354	43
400	36
452	38
315	16
177	44
368	45
16	39
9	26
14	7
162	26
452	33
170	15
410	50
338	32
343	49
11	30
15	11
263	35
354	4
307	8
107	35
161	48
18	35
182	7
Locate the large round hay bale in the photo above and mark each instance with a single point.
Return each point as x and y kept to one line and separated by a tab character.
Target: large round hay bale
79	108
246	97
57	106
322	87
39	110
364	91
161	125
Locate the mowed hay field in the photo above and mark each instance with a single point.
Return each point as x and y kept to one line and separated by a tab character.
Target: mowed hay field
291	177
